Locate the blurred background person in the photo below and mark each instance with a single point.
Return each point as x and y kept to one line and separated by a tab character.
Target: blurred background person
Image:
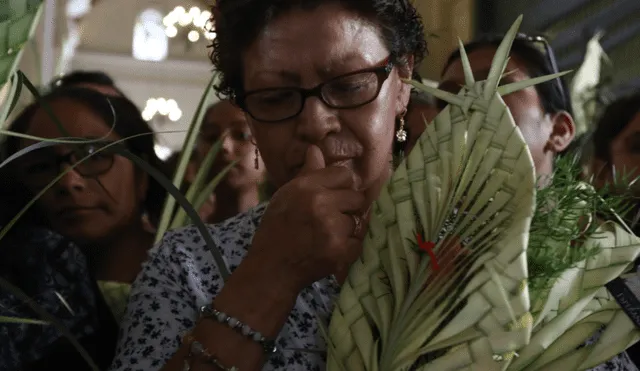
95	207
615	160
239	191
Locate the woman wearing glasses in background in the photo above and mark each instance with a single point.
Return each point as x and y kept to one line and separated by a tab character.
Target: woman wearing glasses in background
542	113
96	206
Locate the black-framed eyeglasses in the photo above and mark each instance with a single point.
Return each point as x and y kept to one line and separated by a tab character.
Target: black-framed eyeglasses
347	91
547	51
38	170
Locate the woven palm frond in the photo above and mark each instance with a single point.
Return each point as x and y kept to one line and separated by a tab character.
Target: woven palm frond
467	190
443	281
579	305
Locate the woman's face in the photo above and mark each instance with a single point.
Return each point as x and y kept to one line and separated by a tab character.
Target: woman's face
304	48
224	120
525	105
81	208
625	152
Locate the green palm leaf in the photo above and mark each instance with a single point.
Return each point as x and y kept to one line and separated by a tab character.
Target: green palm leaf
185	155
18	21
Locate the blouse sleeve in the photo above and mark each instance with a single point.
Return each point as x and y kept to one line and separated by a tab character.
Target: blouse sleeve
163	305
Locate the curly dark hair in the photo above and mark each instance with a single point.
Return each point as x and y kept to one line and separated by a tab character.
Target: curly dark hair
238	22
78	77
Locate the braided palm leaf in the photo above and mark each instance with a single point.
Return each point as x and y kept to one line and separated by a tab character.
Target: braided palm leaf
467	191
469	179
578	305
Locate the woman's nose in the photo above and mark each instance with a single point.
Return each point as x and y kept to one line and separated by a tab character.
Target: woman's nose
71	180
228	144
316	120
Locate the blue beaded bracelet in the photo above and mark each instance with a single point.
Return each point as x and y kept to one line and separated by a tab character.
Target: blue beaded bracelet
269	346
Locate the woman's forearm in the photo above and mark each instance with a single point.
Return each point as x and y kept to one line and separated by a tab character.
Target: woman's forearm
259	298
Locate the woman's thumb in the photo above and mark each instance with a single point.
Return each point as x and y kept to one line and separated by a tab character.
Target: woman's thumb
314	160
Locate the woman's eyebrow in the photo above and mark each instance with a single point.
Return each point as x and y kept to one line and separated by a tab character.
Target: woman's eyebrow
339	61
289	76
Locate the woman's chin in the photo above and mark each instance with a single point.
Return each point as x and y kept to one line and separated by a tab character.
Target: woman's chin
236	180
82	232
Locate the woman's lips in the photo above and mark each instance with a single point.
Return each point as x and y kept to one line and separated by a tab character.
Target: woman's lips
72	212
344	163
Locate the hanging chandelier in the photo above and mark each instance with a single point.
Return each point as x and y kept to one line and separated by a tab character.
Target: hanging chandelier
162	109
194	23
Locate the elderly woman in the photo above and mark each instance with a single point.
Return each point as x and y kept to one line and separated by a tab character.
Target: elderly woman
321	82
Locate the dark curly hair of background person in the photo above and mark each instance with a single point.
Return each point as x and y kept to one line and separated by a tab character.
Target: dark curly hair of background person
238	22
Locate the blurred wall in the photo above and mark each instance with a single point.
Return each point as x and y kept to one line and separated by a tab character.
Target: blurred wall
184	81
447	20
569	24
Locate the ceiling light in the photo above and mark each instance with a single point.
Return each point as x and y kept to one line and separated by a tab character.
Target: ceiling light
185	19
171	31
193	36
194	12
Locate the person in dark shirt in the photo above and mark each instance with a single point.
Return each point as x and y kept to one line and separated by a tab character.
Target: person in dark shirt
53	272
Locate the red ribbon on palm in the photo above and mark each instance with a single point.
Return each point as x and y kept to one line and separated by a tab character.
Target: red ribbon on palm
428	247
447	255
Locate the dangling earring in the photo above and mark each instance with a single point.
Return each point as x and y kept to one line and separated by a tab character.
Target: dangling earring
401	141
401	134
256	163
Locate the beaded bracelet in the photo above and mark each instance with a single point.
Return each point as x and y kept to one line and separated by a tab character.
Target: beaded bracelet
269	346
197	350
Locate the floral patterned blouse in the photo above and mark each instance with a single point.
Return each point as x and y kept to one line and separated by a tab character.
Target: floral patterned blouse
181	276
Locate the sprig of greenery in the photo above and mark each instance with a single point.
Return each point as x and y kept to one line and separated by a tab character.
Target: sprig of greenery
567	211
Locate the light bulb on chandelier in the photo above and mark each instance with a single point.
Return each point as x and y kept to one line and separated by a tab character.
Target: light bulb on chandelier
194	12
195	22
162	107
171	31
193	36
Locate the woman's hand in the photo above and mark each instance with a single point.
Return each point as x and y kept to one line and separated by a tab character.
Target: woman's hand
314	225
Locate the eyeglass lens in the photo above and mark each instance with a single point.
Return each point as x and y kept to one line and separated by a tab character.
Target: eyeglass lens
44	167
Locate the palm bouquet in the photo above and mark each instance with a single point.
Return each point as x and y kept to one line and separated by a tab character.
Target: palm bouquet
467	266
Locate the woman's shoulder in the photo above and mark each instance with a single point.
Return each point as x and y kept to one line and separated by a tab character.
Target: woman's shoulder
187	252
179	277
